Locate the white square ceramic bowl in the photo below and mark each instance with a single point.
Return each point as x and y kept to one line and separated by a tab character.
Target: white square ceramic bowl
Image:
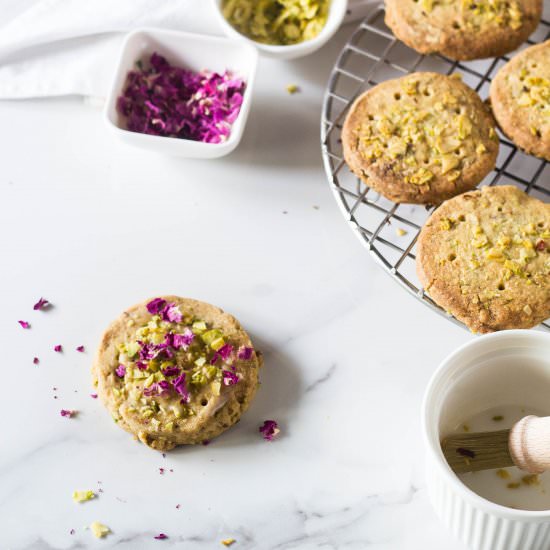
508	367
195	52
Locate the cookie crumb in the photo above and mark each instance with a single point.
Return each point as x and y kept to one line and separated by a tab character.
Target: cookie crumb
503	474
228	542
400	232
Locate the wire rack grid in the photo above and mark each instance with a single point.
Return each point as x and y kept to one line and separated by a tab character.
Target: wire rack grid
388	230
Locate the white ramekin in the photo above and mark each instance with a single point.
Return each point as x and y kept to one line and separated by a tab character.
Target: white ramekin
510	367
337	12
195	52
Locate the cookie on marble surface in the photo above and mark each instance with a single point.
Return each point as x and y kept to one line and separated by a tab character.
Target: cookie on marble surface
421	138
520	99
463	29
484	256
176	371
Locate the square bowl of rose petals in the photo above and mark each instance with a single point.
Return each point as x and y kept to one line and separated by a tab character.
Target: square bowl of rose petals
181	94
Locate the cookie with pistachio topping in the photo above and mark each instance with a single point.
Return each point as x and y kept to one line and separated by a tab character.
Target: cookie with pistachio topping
520	98
421	138
463	29
484	256
176	371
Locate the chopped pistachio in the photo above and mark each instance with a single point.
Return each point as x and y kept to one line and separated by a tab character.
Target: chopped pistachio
530	479
99	530
198	326
132	348
209	336
83	496
292	89
217	343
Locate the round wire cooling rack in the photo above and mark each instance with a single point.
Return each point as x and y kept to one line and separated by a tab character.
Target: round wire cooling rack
389	230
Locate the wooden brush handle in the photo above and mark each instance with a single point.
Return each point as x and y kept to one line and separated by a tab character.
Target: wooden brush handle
529	444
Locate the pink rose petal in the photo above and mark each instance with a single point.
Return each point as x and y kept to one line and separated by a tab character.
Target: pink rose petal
41	304
269	429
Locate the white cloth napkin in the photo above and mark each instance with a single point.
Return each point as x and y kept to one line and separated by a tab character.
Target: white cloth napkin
69	47
64	47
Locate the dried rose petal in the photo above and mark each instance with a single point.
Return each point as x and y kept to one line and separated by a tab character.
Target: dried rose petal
181	387
120	371
58	348
24	324
68	413
171	313
93	395
171	371
36	360
161	536
41	304
160	389
80	349
541	245
224	353
245	353
172	101
155	306
180	341
269	429
229	378
161	471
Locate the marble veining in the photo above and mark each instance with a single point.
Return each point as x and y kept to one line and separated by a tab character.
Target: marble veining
95	226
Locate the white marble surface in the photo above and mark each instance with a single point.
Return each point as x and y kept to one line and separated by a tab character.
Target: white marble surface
95	226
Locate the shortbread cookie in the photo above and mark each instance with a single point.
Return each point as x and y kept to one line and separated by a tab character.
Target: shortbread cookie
520	98
484	256
176	371
422	138
463	29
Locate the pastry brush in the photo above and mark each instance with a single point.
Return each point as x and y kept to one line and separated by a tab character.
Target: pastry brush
525	445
